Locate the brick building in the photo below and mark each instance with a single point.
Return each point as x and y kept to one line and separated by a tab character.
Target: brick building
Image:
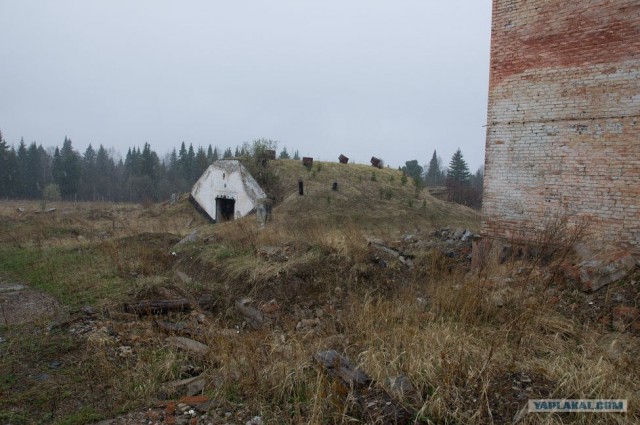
563	137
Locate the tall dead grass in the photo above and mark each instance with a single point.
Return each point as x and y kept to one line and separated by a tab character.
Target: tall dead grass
463	338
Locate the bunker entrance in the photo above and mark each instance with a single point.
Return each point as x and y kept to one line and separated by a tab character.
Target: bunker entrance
225	209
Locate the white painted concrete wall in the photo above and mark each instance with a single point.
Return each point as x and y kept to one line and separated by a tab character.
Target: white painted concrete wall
228	179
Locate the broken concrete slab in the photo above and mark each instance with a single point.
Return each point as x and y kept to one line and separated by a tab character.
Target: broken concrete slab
341	368
188	344
401	387
253	316
360	395
186	387
190	238
601	271
184	278
467	235
11	287
403	257
307	324
47	211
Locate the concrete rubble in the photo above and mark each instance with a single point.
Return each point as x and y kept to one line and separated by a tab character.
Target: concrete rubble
597	270
188	386
188	344
253	316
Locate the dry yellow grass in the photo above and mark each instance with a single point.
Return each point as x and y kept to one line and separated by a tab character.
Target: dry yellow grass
376	199
474	345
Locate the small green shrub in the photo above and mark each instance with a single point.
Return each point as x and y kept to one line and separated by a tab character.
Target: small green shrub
51	192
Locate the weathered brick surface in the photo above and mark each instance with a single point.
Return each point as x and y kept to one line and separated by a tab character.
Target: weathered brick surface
563	137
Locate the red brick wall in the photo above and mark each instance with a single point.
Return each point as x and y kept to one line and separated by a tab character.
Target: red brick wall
563	137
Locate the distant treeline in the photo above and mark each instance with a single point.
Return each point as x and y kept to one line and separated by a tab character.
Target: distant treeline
32	172
461	186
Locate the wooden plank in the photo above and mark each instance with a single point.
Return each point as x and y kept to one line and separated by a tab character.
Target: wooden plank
149	307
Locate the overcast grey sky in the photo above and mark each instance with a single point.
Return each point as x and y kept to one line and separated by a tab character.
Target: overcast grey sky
390	78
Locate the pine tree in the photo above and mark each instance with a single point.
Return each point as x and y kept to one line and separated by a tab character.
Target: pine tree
44	169
67	169
146	183
172	165
149	162
6	169
210	154
284	154
22	182
191	169
36	168
56	167
227	154
132	162
14	172
88	184
105	178
434	175
201	162
296	155
174	180
71	165
458	171
458	180
183	166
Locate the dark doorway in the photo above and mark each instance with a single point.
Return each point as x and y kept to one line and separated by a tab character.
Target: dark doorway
225	209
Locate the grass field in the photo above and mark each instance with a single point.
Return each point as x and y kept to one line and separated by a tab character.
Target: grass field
475	345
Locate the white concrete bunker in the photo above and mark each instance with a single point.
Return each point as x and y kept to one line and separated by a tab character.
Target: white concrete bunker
226	191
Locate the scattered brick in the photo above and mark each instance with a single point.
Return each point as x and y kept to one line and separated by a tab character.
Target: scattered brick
194	400
171	408
626	314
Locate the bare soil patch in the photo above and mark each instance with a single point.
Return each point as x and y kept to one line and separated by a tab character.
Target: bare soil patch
20	304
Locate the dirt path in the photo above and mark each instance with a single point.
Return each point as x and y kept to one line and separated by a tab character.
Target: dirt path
20	304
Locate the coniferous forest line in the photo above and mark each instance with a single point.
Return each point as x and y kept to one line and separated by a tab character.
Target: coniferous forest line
33	172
